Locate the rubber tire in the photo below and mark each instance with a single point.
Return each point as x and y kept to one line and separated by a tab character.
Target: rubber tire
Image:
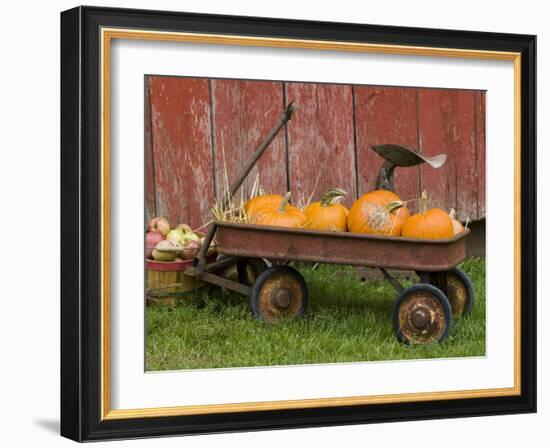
443	300
469	289
258	264
273	270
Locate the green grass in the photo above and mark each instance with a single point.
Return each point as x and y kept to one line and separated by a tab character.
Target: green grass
347	321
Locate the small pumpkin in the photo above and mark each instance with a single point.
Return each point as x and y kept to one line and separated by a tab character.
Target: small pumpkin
257	202
329	213
378	212
457	225
433	224
285	215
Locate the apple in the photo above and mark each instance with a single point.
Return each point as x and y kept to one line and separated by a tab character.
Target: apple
184	228
190	249
166	250
189	236
151	240
175	235
160	224
187	233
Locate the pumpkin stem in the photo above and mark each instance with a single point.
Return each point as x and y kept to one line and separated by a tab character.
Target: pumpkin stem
284	202
261	191
423	202
394	205
333	196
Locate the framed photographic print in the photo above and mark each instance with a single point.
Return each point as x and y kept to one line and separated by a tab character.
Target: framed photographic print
273	223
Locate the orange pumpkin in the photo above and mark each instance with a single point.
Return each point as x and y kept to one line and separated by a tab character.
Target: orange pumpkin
432	224
457	225
328	214
380	212
285	215
255	203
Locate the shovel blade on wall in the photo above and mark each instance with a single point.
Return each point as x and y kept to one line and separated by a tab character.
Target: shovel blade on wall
395	155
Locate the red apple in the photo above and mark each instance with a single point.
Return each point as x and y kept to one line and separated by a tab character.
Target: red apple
160	224
190	249
151	240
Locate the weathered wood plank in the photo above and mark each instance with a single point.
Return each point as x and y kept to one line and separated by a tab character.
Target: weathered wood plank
447	125
243	114
480	98
180	113
321	140
194	124
386	115
464	141
436	116
150	208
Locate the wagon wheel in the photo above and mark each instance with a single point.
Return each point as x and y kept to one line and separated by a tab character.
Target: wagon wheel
279	292
460	292
249	270
244	271
458	287
421	315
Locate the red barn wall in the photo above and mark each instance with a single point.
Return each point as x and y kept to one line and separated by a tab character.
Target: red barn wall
200	132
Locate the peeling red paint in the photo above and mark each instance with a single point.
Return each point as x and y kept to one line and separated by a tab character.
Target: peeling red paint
243	114
465	155
150	207
480	152
193	125
447	125
386	115
182	147
320	140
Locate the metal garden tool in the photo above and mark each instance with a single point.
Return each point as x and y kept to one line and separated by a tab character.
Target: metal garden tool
395	155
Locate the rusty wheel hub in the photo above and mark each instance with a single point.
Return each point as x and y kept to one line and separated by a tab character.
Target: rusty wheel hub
280	297
421	318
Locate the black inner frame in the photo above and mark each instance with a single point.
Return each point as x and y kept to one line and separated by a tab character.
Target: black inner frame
81	224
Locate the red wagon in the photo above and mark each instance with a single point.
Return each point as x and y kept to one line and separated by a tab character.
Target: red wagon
422	313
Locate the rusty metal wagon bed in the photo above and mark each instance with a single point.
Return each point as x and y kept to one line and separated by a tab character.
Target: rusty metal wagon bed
283	243
422	313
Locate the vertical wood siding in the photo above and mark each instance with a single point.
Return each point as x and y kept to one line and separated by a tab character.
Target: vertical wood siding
386	115
150	207
320	141
243	113
435	121
197	131
182	149
447	125
464	152
480	152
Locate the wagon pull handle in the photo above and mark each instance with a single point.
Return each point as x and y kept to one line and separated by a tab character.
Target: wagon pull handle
200	260
283	119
